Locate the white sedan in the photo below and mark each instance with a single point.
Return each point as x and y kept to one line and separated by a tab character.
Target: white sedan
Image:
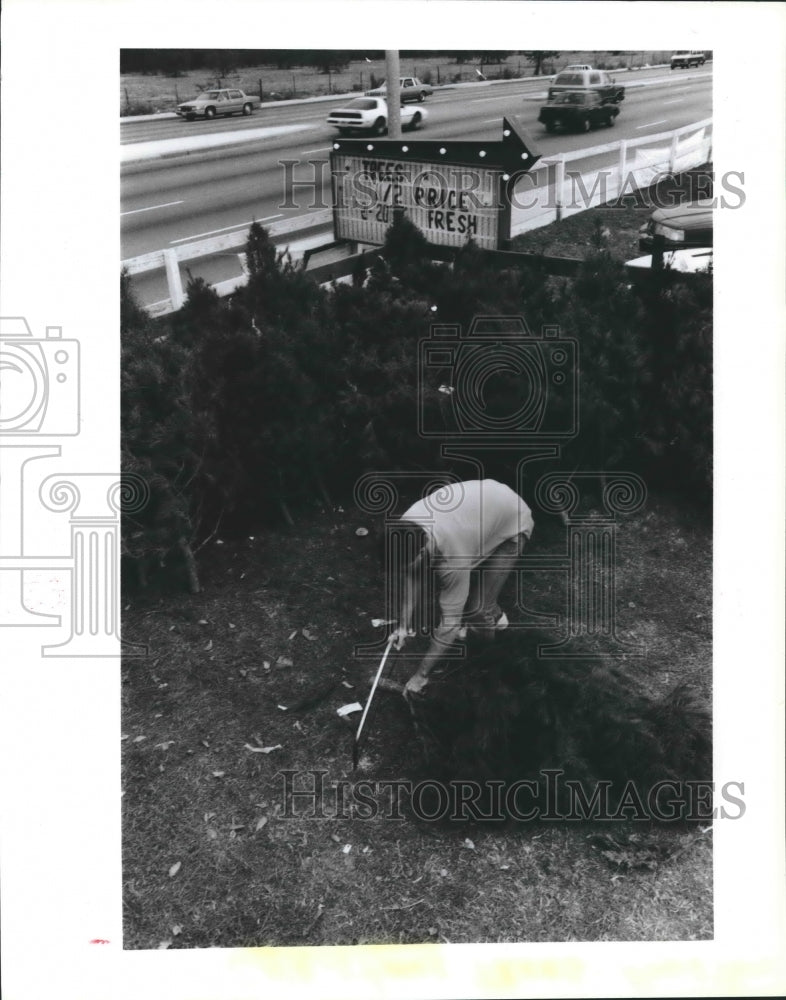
370	114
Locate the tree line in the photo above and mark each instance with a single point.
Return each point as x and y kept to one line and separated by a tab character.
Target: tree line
179	61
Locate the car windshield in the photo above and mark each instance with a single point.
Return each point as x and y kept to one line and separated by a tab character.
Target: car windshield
363	103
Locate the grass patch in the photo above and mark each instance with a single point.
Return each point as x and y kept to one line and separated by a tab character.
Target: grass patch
615	226
276	625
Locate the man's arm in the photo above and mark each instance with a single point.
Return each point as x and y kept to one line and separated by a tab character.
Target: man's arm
442	639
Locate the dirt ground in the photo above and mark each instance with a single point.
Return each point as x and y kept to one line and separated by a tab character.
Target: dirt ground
244	681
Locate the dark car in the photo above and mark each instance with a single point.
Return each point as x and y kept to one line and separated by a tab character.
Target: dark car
678	228
685	59
579	110
671	231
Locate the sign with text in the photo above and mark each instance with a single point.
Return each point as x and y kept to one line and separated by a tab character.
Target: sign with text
447	203
452	191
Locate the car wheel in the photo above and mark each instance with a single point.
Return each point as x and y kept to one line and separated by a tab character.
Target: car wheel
210	112
417	118
379	126
421	97
247	109
610	120
190	118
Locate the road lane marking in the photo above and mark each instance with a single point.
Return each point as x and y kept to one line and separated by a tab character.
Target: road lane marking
322	149
150	208
650	124
237	225
677	100
486	100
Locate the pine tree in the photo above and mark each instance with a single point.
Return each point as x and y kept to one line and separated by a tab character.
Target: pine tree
160	442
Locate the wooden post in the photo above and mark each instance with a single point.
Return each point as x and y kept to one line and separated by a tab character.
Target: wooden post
657	253
673	153
173	278
559	186
623	164
505	189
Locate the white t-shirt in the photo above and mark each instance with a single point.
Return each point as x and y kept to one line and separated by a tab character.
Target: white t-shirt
465	523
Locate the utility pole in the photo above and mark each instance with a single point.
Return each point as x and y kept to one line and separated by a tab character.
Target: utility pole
393	94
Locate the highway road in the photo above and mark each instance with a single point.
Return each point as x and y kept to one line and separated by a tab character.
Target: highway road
167	200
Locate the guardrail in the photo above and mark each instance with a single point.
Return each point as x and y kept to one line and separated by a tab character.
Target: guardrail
171	258
639	163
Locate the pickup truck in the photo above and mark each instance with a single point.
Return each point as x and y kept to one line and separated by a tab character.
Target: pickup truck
410	89
218	102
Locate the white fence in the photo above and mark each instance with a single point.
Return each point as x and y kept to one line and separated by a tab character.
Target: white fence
171	258
638	164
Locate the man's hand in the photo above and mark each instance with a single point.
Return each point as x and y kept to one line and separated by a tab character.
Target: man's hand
415	685
399	637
